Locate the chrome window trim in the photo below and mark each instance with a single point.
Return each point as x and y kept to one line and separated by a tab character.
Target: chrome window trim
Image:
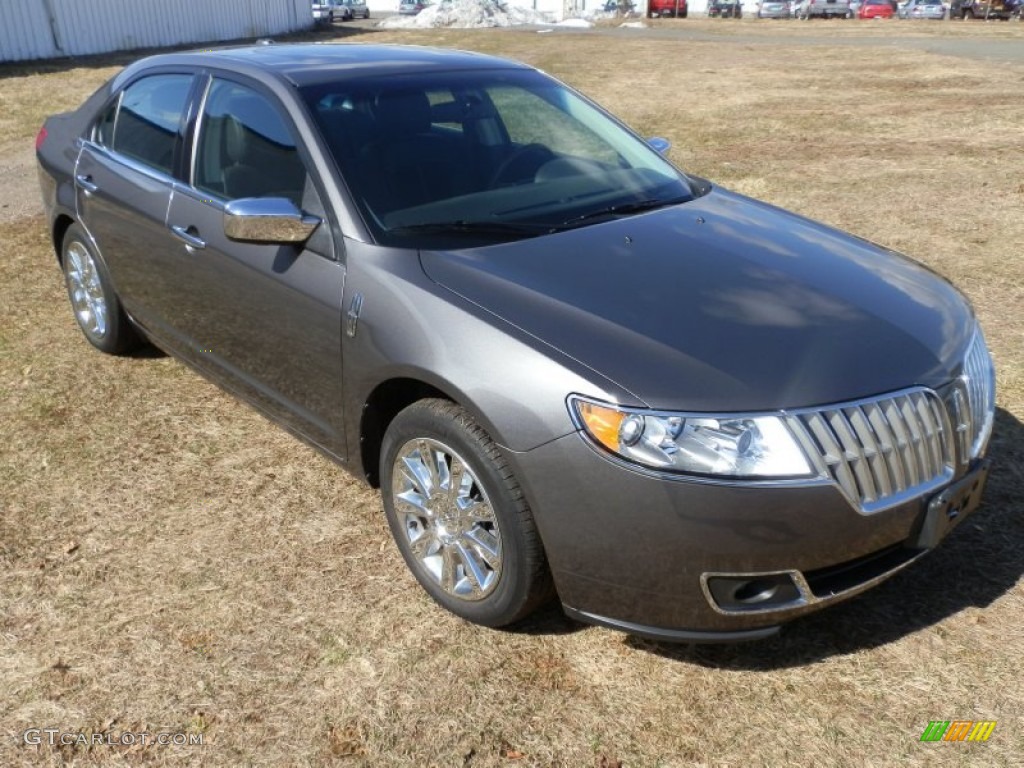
197	131
136	165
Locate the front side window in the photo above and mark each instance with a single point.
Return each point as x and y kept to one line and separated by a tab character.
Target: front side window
245	148
150	121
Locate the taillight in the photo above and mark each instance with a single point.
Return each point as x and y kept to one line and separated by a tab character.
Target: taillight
40	137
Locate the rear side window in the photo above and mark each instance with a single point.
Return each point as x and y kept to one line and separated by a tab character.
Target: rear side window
245	148
148	126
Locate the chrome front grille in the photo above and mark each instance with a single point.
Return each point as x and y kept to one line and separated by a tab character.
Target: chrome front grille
979	381
880	451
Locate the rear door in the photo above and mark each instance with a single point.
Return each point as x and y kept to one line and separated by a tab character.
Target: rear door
263	318
123	182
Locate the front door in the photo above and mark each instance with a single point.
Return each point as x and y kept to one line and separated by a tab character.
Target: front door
265	319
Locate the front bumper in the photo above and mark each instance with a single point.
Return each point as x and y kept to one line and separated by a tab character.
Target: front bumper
638	553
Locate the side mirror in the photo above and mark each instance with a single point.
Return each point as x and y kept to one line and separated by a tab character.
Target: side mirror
267	220
659	145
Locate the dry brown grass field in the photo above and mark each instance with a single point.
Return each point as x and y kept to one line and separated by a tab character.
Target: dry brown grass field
171	561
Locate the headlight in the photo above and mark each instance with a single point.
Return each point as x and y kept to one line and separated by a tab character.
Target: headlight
754	447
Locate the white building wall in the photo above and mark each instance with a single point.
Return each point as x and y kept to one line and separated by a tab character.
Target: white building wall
40	29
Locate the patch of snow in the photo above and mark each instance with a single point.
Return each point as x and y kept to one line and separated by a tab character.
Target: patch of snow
634	25
582	23
467	14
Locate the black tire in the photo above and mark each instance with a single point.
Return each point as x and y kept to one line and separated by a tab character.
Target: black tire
115	334
522	581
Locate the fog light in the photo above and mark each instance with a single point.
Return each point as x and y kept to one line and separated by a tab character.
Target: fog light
752	592
756	591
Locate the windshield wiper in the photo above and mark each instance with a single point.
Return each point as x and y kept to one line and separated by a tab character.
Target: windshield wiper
623	209
476	227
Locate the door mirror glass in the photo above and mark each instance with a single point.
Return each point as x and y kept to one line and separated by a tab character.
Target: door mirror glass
267	220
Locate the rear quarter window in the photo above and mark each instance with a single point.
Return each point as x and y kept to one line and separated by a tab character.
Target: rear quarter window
149	122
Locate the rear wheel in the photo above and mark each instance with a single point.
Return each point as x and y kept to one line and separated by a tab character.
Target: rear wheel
459	517
97	308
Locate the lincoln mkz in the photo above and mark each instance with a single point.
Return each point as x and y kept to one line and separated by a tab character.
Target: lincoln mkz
571	368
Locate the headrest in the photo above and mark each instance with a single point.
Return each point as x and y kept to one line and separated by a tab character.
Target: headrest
403	111
234	140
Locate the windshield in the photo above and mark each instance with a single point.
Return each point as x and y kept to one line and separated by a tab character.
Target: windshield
442	159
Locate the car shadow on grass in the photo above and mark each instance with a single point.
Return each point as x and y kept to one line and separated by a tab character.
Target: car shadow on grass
547	621
980	562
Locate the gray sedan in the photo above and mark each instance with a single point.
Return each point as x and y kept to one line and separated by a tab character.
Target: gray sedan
922	9
773	9
571	368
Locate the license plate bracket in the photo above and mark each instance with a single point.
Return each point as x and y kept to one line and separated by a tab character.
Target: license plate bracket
948	508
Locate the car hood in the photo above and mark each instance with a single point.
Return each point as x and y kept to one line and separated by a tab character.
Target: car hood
723	304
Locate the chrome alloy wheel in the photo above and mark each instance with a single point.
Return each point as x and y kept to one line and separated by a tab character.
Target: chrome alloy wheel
447	518
86	290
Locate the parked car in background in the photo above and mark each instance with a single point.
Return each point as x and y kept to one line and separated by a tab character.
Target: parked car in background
876	9
570	367
411	7
668	8
825	9
922	9
358	9
725	9
982	9
330	11
322	13
773	9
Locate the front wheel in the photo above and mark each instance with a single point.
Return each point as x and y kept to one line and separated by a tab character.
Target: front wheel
97	308
459	516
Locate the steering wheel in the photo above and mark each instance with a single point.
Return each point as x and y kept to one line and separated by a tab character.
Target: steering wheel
521	165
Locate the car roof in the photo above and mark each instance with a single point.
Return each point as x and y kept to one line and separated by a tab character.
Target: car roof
308	63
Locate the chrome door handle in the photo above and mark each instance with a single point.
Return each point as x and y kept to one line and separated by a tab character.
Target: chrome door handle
86	183
190	240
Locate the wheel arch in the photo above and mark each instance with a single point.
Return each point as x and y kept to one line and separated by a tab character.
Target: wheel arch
61	225
384	402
